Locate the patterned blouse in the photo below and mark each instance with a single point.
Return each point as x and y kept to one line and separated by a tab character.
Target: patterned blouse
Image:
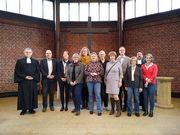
94	67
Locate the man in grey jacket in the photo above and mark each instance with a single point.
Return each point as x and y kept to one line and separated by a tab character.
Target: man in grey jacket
125	63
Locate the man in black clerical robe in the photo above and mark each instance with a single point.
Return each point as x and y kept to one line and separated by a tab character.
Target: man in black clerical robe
139	55
27	75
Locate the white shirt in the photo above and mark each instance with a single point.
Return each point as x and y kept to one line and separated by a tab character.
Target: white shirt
122	59
132	73
50	66
28	60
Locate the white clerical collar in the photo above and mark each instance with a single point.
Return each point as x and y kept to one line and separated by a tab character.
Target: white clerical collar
28	60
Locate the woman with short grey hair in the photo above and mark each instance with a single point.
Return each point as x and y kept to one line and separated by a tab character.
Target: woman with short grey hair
149	71
75	72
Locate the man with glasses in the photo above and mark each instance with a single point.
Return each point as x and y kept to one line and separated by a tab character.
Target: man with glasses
27	75
125	63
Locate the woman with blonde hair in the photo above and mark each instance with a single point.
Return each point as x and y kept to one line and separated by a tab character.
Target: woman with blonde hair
84	57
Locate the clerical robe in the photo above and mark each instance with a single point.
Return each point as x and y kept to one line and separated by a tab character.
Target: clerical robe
27	89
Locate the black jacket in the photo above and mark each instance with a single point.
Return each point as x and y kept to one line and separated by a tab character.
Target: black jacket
138	79
61	69
44	70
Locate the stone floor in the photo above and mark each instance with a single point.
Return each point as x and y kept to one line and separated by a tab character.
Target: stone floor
164	122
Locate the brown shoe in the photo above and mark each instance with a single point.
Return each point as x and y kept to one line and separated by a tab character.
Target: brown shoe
44	109
112	106
118	108
52	108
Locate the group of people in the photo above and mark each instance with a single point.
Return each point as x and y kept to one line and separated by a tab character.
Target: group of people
87	76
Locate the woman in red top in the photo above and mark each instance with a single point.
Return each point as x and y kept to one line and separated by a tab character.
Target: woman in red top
149	71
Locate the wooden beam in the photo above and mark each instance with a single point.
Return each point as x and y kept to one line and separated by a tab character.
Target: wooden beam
57	28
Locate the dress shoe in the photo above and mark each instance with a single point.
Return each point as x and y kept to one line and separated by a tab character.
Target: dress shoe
91	112
145	113
44	109
129	115
137	114
124	110
62	108
99	114
23	112
66	109
77	112
74	110
32	111
151	114
52	108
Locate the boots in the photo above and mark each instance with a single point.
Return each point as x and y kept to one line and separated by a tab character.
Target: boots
118	108
112	106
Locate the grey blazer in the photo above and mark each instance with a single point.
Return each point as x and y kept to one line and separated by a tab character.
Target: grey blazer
125	64
79	73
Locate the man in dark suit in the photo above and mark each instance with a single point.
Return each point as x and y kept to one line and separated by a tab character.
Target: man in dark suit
139	55
125	63
48	68
62	78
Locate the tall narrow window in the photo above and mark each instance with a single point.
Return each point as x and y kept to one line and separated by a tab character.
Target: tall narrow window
13	6
48	10
104	11
64	12
113	11
84	11
140	8
94	12
152	7
129	9
37	8
74	12
3	5
175	4
164	5
25	7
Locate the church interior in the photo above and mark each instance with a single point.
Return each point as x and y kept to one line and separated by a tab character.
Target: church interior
152	26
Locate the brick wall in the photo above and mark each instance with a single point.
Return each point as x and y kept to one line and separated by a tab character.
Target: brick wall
13	40
161	38
73	43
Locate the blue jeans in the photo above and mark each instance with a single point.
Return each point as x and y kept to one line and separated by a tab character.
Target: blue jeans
150	90
97	90
76	94
130	91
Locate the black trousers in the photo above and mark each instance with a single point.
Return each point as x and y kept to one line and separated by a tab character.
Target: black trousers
141	99
61	86
122	89
48	88
85	95
104	95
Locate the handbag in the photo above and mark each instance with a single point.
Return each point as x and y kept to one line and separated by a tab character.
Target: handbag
111	68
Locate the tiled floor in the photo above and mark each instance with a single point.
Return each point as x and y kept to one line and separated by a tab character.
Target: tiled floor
164	122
